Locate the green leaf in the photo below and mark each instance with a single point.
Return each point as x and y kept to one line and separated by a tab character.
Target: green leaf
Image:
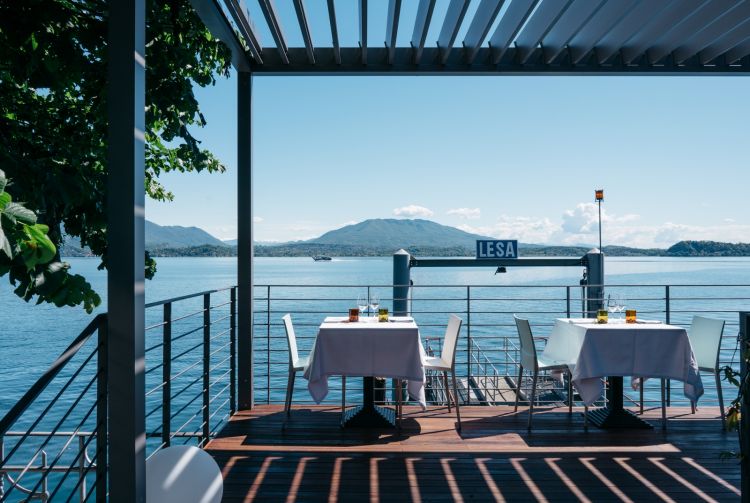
20	213
3	182
5	244
34	43
4	200
37	248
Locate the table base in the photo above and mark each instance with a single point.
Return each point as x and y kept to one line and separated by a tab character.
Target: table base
617	418
369	417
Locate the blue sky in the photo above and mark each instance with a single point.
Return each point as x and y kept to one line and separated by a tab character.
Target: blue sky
511	157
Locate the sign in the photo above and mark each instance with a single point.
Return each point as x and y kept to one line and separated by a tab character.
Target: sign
497	248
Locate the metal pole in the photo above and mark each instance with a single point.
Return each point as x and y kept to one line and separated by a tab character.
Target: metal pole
745	406
81	469
401	283
600	224
595	273
206	433
102	397
232	350
166	376
468	336
245	390
125	249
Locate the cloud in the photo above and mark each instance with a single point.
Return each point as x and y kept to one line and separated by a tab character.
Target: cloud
467	213
413	211
525	229
257	220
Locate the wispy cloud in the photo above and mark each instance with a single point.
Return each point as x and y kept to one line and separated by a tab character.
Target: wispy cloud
467	213
413	210
257	220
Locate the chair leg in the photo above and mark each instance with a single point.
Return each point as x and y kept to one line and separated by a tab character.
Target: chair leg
663	405
533	396
455	399
640	393
518	386
721	400
447	390
585	417
343	394
289	389
570	393
399	403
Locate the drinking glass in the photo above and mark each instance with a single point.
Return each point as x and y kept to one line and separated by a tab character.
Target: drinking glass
374	304
362	304
620	302
611	305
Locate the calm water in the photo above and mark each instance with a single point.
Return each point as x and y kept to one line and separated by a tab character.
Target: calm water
32	336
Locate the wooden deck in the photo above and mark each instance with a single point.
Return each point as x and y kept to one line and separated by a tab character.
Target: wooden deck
494	458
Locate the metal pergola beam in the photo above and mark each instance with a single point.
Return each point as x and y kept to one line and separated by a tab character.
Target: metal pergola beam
570	23
543	19
421	27
272	18
246	27
363	30
126	91
480	26
334	32
391	30
217	23
509	26
451	24
299	7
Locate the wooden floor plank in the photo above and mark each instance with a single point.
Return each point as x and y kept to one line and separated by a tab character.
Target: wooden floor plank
264	457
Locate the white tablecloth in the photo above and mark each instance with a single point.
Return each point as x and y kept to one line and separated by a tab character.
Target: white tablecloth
367	348
620	349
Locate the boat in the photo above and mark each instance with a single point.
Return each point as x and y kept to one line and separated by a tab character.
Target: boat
321	258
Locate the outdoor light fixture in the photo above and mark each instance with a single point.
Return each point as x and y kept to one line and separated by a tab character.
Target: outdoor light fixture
500	269
599	196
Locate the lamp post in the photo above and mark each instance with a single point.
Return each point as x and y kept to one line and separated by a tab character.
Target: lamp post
599	195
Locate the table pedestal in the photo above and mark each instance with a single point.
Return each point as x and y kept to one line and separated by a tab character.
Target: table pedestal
615	415
369	415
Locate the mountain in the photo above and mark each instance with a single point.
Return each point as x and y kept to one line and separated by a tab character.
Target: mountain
175	236
398	233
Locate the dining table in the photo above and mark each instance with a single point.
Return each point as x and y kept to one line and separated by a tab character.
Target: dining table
647	348
367	348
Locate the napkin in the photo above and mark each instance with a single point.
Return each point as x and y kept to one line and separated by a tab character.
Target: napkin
649	322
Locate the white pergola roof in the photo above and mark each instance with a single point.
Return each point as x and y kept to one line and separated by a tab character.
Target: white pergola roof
501	37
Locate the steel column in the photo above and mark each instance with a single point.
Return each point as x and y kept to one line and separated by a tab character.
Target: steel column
125	249
166	376
102	397
206	430
745	406
400	283
245	395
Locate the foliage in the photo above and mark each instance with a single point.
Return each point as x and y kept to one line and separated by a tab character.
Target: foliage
27	255
733	414
53	123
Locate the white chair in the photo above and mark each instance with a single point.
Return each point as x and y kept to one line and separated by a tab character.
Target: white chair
531	361
446	362
183	474
297	364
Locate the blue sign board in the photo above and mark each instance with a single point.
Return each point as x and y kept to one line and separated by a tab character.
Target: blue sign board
497	248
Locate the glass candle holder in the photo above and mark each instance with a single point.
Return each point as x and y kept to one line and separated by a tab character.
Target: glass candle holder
383	314
353	314
602	316
630	316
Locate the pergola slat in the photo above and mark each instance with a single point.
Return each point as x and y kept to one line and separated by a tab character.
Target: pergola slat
217	23
738	52
592	32
542	20
643	39
299	7
246	27
334	32
451	24
394	12
611	43
421	27
480	27
363	29
269	11
702	17
726	43
569	24
509	26
724	24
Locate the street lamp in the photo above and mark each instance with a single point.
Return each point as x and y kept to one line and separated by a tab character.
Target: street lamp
599	195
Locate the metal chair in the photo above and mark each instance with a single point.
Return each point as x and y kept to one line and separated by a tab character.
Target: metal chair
531	361
446	362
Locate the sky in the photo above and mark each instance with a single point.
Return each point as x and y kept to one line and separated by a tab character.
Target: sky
508	157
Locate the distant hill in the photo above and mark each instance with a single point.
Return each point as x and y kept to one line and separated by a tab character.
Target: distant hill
394	233
175	236
708	249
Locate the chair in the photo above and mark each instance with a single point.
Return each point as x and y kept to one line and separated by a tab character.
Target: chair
297	364
183	473
531	361
446	362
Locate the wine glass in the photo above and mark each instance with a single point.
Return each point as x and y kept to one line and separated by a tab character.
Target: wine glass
362	305
620	303
374	304
611	305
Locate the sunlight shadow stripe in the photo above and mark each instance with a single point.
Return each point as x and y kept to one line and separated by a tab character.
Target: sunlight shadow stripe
413	483
374	482
552	462
489	480
253	492
455	492
333	495
709	473
643	480
681	480
603	478
535	491
297	480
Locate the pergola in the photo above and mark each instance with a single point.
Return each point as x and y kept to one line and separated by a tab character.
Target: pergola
503	37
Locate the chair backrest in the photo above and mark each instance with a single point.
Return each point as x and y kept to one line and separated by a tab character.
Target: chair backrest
705	338
528	349
183	473
448	354
290	338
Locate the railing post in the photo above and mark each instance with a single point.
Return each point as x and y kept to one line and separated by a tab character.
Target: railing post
81	469
668	319
206	367
232	350
166	376
2	459
468	339
745	406
102	409
567	301
268	344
